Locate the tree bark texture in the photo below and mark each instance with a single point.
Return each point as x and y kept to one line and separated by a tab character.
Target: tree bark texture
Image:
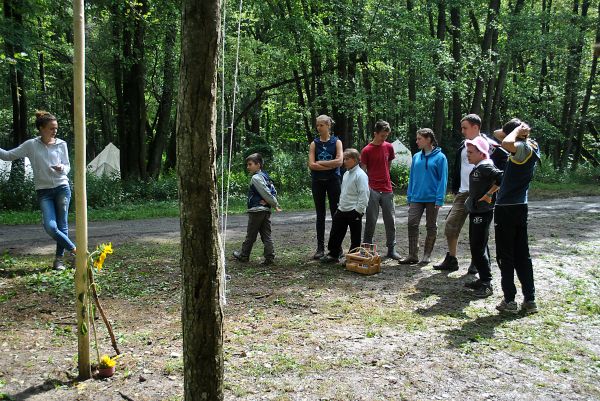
202	314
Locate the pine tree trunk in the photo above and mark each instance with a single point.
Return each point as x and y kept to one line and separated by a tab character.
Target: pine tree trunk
202	314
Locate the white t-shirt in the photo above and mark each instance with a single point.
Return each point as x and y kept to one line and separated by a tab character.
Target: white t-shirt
465	171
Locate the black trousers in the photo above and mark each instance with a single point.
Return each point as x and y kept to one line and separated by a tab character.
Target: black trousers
339	227
512	250
479	233
331	189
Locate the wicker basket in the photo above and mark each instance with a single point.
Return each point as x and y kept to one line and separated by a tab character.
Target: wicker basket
364	260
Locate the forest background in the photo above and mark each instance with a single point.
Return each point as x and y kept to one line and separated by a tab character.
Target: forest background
413	63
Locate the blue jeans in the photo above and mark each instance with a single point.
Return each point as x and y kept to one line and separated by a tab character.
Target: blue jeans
54	203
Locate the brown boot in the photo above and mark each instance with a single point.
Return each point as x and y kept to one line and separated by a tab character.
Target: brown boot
428	248
413	251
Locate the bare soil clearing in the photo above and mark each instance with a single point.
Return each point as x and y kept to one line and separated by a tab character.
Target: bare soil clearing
300	330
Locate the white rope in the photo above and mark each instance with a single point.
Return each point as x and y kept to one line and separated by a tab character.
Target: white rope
223	288
225	197
235	90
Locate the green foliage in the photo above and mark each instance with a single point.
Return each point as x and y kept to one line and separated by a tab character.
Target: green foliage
103	191
585	174
17	195
399	174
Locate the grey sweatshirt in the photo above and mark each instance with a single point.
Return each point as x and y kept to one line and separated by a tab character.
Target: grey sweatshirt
42	157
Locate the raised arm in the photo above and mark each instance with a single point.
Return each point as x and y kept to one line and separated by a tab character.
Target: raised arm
16	153
521	131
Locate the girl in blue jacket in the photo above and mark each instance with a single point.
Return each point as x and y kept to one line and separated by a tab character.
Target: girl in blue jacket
426	192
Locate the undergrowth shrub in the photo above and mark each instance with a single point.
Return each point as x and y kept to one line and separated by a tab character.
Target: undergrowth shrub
399	174
16	194
104	191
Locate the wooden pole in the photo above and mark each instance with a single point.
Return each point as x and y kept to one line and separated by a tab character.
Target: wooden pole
81	232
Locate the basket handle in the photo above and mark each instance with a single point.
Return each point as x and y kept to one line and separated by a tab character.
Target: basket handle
368	252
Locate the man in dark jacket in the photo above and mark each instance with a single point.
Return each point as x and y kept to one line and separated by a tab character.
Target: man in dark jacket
510	220
470	126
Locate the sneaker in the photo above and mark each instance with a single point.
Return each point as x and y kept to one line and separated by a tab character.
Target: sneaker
238	256
484	291
529	307
474	285
319	254
508	307
58	265
472	269
267	262
450	264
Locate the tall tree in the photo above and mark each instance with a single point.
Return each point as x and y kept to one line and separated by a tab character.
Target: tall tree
438	108
568	122
202	314
163	119
491	29
13	35
456	55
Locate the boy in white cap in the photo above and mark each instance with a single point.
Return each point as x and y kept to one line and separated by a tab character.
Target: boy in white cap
484	181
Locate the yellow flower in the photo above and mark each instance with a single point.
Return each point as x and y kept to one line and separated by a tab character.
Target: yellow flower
106	362
104	249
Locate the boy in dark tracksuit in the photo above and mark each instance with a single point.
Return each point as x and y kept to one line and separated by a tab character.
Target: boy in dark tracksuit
261	197
484	181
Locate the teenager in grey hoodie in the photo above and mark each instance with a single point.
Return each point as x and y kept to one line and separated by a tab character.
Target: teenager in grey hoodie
50	163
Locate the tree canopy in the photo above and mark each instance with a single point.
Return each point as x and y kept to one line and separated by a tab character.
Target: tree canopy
412	63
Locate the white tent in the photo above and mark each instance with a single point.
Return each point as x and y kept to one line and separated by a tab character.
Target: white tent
403	155
6	166
107	162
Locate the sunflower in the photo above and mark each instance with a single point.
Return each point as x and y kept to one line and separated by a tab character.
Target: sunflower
103	249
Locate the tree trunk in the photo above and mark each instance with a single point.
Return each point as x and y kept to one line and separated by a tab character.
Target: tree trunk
572	82
201	264
17	85
122	143
163	125
439	103
412	94
546	9
494	120
133	91
486	46
582	123
456	55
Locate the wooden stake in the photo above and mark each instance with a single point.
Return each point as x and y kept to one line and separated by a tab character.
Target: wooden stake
81	280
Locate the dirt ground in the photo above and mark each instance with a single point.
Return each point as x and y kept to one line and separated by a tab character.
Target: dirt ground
301	330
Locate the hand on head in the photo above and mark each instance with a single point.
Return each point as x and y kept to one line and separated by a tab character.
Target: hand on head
524	131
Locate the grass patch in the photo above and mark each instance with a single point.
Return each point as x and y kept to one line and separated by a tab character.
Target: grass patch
544	190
